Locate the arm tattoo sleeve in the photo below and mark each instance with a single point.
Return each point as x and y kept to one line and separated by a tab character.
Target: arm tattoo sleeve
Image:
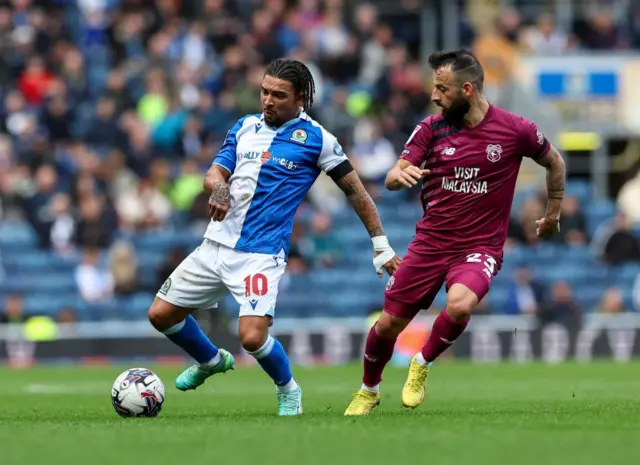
361	202
556	174
220	193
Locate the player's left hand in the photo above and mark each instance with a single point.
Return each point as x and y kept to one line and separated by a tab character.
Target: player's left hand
547	227
383	256
391	266
219	201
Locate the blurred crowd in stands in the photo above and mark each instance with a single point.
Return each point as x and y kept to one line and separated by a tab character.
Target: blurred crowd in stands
111	110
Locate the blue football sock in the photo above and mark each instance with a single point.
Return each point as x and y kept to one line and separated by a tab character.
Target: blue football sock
188	335
273	359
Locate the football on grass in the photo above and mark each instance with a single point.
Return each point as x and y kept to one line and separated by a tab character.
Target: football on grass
137	392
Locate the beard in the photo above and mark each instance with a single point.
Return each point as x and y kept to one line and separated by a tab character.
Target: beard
457	111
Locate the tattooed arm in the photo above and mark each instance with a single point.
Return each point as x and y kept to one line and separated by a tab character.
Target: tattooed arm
556	175
363	205
216	182
361	202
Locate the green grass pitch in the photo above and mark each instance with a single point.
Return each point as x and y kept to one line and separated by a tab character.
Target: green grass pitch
566	414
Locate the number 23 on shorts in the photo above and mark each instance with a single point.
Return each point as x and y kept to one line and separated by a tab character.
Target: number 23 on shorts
488	262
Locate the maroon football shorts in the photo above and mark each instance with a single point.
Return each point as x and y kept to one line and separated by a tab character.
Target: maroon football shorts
420	276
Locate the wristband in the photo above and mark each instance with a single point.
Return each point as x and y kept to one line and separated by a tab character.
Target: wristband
380	243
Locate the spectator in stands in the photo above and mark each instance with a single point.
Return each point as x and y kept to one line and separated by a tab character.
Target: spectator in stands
187	186
297	263
13	311
612	302
320	246
62	225
174	258
123	266
95	282
544	38
619	243
497	53
561	308
628	199
67	315
525	293
143	207
93	228
372	154
573	224
102	129
522	228
601	31
34	81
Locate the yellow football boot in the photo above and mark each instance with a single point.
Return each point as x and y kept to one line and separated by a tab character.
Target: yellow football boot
416	384
363	403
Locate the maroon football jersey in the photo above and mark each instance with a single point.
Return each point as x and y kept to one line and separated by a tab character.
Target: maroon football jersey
467	196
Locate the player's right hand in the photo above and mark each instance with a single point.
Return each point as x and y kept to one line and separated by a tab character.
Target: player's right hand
219	201
547	227
410	176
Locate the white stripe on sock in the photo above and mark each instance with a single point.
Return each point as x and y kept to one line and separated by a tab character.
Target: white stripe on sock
265	350
175	328
213	362
290	386
420	359
375	388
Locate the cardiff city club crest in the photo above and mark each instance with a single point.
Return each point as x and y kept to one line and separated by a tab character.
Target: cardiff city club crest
494	152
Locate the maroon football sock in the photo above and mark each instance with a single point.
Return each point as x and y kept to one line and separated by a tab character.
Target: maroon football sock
443	333
377	354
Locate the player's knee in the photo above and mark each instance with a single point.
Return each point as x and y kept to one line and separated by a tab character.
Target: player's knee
160	315
253	332
253	340
389	326
459	308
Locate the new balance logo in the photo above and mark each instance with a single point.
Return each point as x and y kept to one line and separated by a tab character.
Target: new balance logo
448	151
446	341
371	359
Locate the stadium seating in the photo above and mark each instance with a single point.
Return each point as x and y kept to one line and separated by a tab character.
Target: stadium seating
349	289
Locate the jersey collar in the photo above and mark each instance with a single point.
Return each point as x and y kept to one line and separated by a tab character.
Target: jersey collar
302	116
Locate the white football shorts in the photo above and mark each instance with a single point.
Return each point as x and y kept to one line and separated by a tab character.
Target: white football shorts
213	270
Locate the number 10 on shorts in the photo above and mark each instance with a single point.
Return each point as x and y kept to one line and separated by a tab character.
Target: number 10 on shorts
489	262
256	284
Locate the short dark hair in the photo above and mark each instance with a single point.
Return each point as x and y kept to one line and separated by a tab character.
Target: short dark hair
463	63
298	75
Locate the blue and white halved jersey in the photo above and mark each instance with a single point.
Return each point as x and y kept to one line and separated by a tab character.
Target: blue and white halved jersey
272	169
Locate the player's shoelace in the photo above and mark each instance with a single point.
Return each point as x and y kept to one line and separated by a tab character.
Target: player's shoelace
362	396
418	378
288	400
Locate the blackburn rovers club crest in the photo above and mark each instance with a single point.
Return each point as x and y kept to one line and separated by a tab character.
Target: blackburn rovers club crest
494	152
265	157
299	136
166	286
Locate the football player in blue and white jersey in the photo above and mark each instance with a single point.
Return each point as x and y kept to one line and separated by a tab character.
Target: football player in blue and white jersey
257	180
